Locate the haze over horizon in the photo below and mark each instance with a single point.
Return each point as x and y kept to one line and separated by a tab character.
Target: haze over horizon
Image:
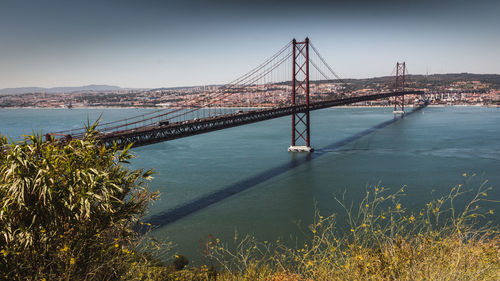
153	44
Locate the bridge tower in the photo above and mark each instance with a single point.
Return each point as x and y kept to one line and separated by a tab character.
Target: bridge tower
301	129
399	85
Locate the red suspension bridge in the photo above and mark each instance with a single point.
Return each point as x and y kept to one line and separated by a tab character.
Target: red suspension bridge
303	77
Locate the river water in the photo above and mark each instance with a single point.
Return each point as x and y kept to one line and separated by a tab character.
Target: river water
243	179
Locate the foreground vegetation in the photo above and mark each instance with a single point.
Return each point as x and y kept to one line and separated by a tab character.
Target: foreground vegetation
383	242
70	211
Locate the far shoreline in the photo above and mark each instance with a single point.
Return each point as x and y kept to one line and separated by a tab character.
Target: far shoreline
161	108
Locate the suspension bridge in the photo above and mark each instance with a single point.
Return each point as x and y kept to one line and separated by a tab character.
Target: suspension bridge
295	74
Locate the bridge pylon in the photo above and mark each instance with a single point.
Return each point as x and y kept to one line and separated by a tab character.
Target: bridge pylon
399	85
301	129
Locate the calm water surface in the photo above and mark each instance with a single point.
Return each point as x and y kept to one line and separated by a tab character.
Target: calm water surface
427	151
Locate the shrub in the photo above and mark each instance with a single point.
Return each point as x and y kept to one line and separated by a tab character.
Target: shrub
68	210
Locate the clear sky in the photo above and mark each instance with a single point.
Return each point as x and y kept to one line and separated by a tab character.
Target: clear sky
153	43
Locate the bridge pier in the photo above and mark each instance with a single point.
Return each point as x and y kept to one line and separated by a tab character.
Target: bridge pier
398	112
300	148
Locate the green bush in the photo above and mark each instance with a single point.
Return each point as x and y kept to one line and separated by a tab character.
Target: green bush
68	210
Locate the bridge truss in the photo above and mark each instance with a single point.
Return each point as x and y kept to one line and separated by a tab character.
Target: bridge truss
150	135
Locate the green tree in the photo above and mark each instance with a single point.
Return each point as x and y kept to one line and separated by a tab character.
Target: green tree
68	209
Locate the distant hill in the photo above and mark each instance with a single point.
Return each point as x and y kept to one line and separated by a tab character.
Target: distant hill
431	80
24	90
181	87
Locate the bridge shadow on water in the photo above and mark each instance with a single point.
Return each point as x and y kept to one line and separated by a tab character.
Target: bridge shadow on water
177	213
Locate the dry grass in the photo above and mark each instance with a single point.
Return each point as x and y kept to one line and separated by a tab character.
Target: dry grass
383	242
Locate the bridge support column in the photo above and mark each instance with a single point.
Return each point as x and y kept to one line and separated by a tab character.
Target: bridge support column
399	85
301	126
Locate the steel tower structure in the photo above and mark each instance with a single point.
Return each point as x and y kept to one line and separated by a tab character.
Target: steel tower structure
301	129
399	86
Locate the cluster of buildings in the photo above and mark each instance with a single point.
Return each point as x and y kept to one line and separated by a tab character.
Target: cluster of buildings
267	95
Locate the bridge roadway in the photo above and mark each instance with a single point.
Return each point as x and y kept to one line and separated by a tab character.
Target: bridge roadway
154	134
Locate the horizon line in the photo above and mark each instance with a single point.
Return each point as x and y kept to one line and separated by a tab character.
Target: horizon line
216	84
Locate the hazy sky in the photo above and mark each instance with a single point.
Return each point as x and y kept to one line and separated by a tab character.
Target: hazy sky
153	43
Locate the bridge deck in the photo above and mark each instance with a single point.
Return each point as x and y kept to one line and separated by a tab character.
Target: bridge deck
153	134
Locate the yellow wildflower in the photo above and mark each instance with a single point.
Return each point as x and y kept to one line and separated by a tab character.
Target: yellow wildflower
491	212
398	206
72	261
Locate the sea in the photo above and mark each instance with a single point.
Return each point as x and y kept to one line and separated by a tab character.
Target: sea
242	181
